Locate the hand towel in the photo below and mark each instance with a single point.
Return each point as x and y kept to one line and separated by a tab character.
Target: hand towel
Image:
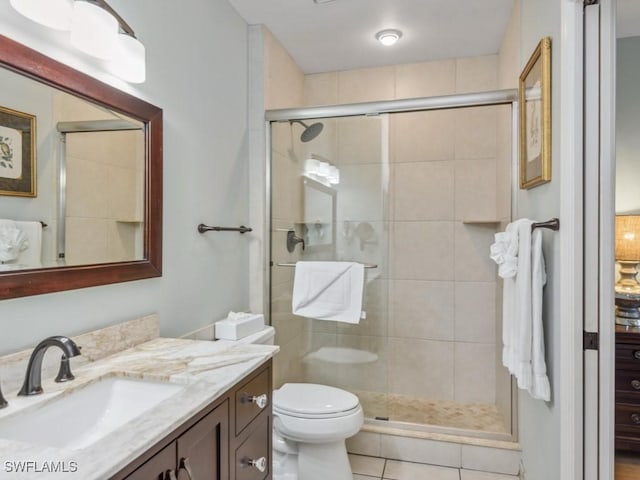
12	241
520	253
328	291
31	257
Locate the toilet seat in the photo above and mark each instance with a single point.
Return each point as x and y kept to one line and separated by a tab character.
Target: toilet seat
313	401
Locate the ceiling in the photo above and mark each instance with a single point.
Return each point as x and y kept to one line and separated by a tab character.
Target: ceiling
340	34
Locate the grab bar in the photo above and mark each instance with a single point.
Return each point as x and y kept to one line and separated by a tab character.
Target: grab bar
366	265
206	228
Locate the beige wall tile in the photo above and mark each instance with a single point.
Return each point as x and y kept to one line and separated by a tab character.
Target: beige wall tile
321	89
124	194
475	189
422	136
359	140
122	241
476	74
364	443
411	471
361	193
284	81
87	191
366	85
423	250
365	465
375	300
287	366
472	262
368	376
475	377
420	450
475	312
421	367
475	132
86	240
420	309
475	475
491	459
427	79
503	164
423	191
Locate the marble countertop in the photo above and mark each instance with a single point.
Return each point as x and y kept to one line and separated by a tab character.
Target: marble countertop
207	369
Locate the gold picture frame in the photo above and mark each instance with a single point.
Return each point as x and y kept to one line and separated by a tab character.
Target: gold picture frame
17	153
534	94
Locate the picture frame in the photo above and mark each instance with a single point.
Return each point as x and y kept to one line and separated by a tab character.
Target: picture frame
534	94
17	153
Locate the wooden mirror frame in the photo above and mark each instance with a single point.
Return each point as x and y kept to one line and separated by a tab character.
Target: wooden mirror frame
20	283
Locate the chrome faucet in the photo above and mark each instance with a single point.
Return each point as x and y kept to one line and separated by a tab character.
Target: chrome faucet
3	402
33	379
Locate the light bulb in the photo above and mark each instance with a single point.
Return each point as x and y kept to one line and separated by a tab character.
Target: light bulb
94	30
50	13
388	37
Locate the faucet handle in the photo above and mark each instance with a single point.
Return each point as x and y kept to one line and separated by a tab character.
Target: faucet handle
64	374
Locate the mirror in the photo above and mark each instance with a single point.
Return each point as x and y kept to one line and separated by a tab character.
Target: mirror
80	179
319	214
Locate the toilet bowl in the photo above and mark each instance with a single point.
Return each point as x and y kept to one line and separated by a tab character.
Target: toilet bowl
310	425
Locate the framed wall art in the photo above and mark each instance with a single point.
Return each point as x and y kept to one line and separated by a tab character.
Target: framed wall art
534	92
17	153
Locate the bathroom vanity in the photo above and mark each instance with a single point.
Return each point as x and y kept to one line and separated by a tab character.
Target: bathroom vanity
164	409
231	438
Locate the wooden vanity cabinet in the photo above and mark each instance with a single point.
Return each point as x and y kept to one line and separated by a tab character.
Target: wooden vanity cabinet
228	440
627	388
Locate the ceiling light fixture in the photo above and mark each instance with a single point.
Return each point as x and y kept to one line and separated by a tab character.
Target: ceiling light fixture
96	29
388	37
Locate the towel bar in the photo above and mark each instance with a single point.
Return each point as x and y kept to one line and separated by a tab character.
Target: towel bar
553	224
366	265
206	228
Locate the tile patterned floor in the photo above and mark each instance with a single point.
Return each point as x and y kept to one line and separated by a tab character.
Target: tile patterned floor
374	468
444	413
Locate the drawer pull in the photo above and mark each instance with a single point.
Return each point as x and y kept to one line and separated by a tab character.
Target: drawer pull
260	400
184	465
635	384
169	475
259	463
635	418
636	354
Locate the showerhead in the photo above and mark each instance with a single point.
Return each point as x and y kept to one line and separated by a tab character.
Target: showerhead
310	131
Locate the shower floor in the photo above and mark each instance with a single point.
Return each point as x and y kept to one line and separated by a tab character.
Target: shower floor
442	413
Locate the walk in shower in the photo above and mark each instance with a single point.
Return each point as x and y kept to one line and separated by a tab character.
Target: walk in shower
415	190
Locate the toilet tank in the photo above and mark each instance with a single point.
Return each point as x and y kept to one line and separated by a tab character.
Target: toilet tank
266	336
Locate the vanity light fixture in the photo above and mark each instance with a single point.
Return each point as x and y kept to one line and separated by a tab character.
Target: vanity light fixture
96	29
388	37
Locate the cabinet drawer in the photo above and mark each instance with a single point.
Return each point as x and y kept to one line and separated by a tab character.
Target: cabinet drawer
628	381
252	398
256	448
627	356
157	466
628	417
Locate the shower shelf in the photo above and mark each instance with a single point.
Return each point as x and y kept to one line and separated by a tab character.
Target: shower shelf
481	222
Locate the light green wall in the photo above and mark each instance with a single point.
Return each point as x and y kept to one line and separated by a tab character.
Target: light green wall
539	422
196	72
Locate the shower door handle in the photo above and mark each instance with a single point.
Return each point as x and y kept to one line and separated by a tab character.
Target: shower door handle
293	240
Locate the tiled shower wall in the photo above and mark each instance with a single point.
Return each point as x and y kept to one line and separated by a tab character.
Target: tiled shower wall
432	304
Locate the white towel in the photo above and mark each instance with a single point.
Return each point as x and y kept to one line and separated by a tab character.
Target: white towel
32	256
522	269
328	291
12	241
29	255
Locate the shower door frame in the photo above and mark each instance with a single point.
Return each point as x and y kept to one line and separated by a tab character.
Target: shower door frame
445	102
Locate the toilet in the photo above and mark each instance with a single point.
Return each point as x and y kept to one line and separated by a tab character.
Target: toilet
310	425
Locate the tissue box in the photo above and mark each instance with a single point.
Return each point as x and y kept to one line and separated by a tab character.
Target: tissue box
239	325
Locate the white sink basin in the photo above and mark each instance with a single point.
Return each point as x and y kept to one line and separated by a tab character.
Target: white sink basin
80	418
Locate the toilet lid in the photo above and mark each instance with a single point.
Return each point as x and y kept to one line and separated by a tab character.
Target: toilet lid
313	399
